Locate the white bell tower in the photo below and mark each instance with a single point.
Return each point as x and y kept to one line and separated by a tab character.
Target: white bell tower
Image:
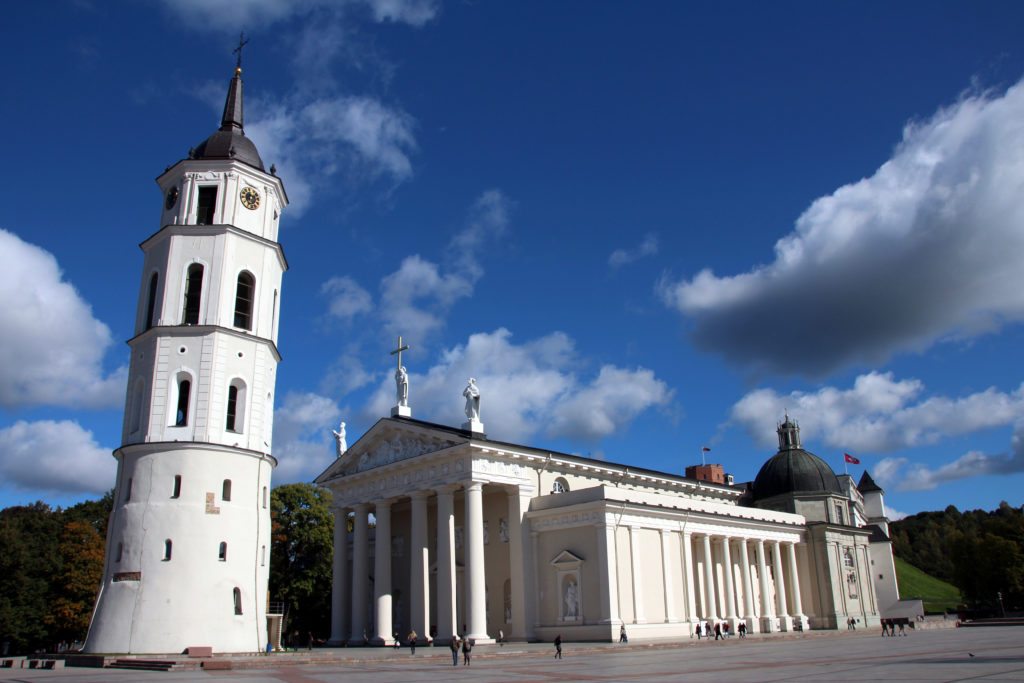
188	545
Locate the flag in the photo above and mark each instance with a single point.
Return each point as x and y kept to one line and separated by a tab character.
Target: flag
705	449
850	459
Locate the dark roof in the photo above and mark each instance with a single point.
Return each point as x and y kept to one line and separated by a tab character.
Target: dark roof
794	470
877	535
867	483
229	141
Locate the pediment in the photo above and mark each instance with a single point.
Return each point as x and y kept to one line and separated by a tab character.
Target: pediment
390	440
566	559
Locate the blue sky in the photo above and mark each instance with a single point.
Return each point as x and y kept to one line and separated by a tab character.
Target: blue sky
644	228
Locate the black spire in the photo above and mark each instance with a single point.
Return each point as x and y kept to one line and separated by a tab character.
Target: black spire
232	118
867	483
229	141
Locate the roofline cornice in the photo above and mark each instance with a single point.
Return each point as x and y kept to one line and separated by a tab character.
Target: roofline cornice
187	230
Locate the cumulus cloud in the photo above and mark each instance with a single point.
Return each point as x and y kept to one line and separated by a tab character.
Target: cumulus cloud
904	475
230	14
54	456
877	414
346	299
303	444
929	247
527	389
52	346
622	257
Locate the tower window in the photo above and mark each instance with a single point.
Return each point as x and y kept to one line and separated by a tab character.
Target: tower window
177	486
207	203
151	300
167	550
244	292
193	294
264	497
232	407
225	493
237	595
263	556
222	554
184	389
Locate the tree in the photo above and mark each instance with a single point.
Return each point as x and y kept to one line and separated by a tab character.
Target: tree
301	552
29	562
74	590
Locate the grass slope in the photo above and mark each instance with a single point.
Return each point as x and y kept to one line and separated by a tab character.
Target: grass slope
938	596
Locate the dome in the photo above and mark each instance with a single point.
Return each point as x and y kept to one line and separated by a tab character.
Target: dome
794	470
229	141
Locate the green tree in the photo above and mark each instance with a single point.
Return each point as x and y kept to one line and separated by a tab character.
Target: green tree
29	561
73	592
302	542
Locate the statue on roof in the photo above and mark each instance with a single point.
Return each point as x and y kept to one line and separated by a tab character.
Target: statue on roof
339	438
402	386
472	394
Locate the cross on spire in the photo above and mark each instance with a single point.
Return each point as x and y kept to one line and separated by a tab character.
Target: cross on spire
399	352
242	42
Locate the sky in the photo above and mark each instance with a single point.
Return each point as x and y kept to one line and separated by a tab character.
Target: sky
644	228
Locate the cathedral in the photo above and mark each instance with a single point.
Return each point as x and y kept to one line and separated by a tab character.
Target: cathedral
487	539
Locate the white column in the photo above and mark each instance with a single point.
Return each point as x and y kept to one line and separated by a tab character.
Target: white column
767	616
476	599
382	573
446	626
607	567
709	581
638	591
794	577
534	552
748	589
340	588
419	567
666	577
730	594
521	565
360	574
780	588
688	582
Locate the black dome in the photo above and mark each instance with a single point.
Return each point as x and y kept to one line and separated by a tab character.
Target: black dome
229	141
794	471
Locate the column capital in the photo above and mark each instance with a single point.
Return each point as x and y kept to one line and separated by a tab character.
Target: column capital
447	489
361	508
383	503
419	495
474	485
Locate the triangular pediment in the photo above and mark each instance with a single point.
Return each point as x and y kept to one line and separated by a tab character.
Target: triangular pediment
391	440
566	558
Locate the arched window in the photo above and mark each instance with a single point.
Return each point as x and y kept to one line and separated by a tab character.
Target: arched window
244	293
151	300
167	550
222	553
177	486
237	594
264	497
193	294
184	392
263	556
225	493
235	417
560	486
273	316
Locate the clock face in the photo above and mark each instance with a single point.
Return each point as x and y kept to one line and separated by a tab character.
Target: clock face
250	197
172	198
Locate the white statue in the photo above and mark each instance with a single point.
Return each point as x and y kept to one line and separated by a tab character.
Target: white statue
472	394
503	529
339	437
571	600
402	385
487	533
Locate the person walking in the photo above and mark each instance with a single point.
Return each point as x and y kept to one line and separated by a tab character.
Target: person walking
558	646
885	627
453	645
718	630
742	628
467	651
412	641
902	624
622	634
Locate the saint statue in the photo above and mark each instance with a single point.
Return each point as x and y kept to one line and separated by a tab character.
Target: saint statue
571	600
503	529
339	437
472	394
402	385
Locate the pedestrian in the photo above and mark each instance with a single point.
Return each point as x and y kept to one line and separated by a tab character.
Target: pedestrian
725	629
501	638
743	629
309	641
622	634
453	645
699	631
558	646
412	641
902	624
467	651
718	630
885	627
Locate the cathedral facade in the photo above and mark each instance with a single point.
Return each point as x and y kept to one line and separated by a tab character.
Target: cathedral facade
483	539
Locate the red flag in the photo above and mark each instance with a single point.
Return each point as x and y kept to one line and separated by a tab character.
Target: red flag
850	459
705	449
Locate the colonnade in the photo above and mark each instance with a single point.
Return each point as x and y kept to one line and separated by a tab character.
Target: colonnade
353	603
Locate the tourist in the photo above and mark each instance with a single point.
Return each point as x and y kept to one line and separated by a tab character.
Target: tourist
558	646
453	645
501	638
742	629
622	634
718	630
700	631
412	641
467	651
903	623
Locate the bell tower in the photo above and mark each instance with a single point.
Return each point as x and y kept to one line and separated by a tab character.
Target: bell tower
187	558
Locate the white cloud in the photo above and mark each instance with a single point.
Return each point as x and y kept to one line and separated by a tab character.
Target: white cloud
622	257
929	247
877	414
895	515
414	12
303	444
54	456
346	298
52	346
527	389
231	14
